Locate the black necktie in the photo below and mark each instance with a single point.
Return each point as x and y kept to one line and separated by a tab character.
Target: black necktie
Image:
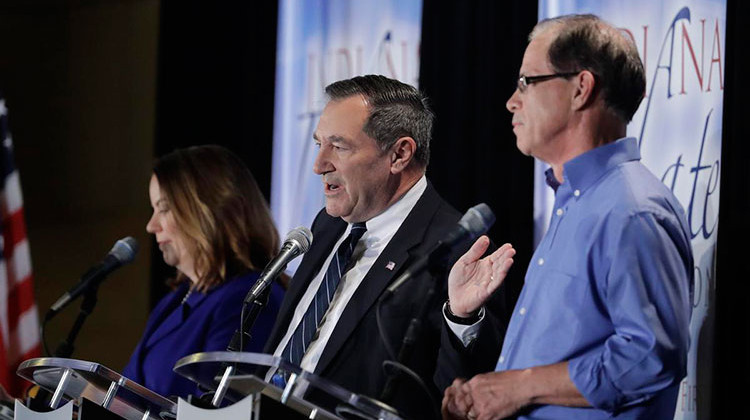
306	329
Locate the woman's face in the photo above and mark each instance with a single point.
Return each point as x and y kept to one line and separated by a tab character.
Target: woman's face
172	242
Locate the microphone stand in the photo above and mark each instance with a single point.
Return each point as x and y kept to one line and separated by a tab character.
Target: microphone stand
241	337
41	401
436	268
250	312
66	348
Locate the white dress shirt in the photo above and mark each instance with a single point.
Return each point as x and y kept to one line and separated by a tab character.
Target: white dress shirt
380	230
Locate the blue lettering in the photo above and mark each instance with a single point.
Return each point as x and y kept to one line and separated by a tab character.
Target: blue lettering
676	167
684	13
709	189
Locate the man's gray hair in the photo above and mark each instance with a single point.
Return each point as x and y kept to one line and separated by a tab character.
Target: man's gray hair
586	42
396	110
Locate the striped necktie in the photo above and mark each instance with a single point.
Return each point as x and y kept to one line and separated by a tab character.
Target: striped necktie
307	328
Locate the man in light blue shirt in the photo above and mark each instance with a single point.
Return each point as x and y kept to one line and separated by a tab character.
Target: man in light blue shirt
600	329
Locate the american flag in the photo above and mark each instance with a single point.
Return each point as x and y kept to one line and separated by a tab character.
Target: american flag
19	322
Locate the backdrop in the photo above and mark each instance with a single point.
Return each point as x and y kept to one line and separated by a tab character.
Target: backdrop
678	127
216	64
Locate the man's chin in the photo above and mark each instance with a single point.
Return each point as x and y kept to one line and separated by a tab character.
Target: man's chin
522	147
346	215
334	210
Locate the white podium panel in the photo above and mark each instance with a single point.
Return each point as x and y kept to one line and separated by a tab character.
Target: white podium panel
24	413
241	410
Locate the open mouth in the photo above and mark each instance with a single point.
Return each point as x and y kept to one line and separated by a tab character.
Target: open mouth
332	187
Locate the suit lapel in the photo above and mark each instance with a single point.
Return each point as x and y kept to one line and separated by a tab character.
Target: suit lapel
399	251
175	316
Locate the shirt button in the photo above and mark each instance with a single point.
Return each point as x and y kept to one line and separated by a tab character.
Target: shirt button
502	359
577	193
523	311
559	212
540	261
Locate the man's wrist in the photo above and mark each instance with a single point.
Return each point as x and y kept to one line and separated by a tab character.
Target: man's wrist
471	319
548	384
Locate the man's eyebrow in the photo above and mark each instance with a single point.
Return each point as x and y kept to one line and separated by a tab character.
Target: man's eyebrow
333	138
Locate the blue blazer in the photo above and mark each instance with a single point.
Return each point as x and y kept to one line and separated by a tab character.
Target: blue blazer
206	323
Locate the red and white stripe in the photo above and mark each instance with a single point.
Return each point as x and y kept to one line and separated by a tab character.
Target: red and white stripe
19	321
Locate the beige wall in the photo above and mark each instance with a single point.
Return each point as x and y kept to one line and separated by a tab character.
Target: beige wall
79	78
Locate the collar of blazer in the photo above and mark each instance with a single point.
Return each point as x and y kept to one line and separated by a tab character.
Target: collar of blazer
172	316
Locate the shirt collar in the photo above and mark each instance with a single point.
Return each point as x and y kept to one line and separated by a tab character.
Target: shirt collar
584	170
549	176
391	218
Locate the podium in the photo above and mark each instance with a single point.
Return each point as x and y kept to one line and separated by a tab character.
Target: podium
234	375
71	379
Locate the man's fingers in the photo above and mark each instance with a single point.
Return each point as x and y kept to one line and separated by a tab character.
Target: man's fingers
500	269
501	257
453	400
505	251
451	410
476	251
448	407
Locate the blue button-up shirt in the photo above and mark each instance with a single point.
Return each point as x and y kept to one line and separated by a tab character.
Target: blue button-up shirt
608	290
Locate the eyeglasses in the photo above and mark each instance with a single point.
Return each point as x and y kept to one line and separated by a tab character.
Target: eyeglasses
525	81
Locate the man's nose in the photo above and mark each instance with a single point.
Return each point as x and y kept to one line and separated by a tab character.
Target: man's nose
322	164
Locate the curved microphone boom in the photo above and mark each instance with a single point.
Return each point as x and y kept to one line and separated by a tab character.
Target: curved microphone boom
123	252
297	242
475	222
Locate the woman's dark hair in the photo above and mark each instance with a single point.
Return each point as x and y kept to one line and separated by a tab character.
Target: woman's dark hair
218	206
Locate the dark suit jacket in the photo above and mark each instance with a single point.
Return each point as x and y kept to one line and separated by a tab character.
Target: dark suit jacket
172	333
353	357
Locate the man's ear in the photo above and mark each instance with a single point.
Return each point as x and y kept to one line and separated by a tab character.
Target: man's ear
402	153
584	93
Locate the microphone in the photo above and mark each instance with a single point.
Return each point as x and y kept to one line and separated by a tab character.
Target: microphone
122	252
297	242
475	222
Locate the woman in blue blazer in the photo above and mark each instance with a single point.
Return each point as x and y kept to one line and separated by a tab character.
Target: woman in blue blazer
213	225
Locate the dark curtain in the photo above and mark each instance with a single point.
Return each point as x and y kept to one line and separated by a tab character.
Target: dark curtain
732	328
470	55
217	62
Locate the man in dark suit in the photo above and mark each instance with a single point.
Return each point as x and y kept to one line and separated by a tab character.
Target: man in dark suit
381	214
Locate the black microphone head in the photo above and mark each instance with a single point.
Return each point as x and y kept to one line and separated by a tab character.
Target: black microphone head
124	250
301	237
477	220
